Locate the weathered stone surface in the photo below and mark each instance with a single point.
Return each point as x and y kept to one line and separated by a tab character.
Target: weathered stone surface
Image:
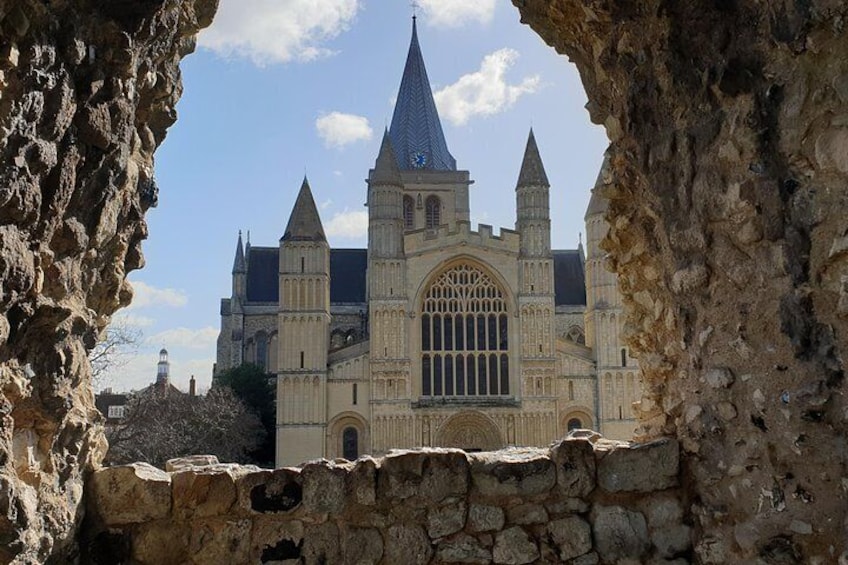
71	224
447	519
160	542
727	191
463	548
181	463
482	518
640	468
672	539
219	540
321	544
514	547
363	545
525	514
205	491
433	474
575	466
572	536
130	494
619	533
512	472
407	544
275	491
324	487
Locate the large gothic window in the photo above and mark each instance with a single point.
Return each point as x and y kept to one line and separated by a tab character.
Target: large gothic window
464	336
408	212
433	211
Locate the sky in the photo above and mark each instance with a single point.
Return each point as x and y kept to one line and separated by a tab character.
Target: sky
279	89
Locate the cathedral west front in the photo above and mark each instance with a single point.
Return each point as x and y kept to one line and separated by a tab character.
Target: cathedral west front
436	334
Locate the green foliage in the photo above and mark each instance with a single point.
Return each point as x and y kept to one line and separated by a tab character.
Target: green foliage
256	389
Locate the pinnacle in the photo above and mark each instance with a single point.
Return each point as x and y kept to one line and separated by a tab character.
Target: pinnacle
239	265
304	222
386	169
532	170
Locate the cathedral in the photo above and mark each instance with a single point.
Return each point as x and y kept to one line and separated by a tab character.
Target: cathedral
436	334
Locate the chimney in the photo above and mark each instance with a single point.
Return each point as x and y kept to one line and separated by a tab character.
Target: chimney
192	387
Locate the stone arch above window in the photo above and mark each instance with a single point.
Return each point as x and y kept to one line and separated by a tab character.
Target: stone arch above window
576	335
464	335
433	211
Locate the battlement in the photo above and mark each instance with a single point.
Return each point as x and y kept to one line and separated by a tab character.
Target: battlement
460	233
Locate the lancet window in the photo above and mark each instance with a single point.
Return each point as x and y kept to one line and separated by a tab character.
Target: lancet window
408	212
464	336
433	211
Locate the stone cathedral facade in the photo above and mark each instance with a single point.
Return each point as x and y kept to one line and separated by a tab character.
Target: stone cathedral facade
436	334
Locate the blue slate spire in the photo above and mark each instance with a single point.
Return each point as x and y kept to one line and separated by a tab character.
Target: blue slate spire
416	131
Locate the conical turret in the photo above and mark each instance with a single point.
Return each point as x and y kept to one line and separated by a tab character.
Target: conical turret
598	203
532	170
386	170
239	265
304	222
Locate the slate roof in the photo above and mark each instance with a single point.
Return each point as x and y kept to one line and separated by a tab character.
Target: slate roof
532	171
569	278
304	222
415	124
347	275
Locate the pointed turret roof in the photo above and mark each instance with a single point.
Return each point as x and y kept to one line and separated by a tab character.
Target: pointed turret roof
532	171
598	203
386	168
239	265
304	222
416	131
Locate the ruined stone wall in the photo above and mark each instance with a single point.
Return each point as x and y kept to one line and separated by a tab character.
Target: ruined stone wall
729	147
87	91
576	502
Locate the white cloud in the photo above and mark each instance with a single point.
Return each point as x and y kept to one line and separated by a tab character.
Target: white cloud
348	224
338	129
484	92
455	13
327	203
277	31
185	337
147	295
132	320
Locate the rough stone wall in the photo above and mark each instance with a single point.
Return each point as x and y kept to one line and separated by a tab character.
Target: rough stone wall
728	233
576	502
87	91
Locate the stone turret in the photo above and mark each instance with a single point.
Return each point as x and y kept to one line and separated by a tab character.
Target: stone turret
532	206
385	206
304	322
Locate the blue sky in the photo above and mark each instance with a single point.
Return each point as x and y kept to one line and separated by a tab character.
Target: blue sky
279	88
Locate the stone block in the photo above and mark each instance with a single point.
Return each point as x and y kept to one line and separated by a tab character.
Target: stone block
324	487
203	491
663	510
572	536
280	490
274	540
430	473
407	545
671	539
446	520
181	463
567	506
514	546
463	548
129	494
619	533
362	481
522	472
321	544
363	546
218	540
526	514
482	518
160	542
642	467
575	467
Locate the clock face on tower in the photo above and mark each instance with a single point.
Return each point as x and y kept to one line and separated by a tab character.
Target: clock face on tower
419	159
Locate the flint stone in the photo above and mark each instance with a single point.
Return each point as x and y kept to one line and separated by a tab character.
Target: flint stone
719	377
620	533
181	463
407	545
430	473
483	518
520	472
525	514
321	544
129	494
671	540
642	467
575	466
446	520
514	547
363	545
572	536
662	511
323	487
463	549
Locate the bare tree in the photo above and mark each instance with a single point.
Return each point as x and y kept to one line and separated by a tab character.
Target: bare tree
162	423
118	343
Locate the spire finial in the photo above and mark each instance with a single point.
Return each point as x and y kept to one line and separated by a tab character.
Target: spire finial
580	238
415	5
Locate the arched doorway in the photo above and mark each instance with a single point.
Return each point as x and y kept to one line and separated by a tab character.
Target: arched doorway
471	431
